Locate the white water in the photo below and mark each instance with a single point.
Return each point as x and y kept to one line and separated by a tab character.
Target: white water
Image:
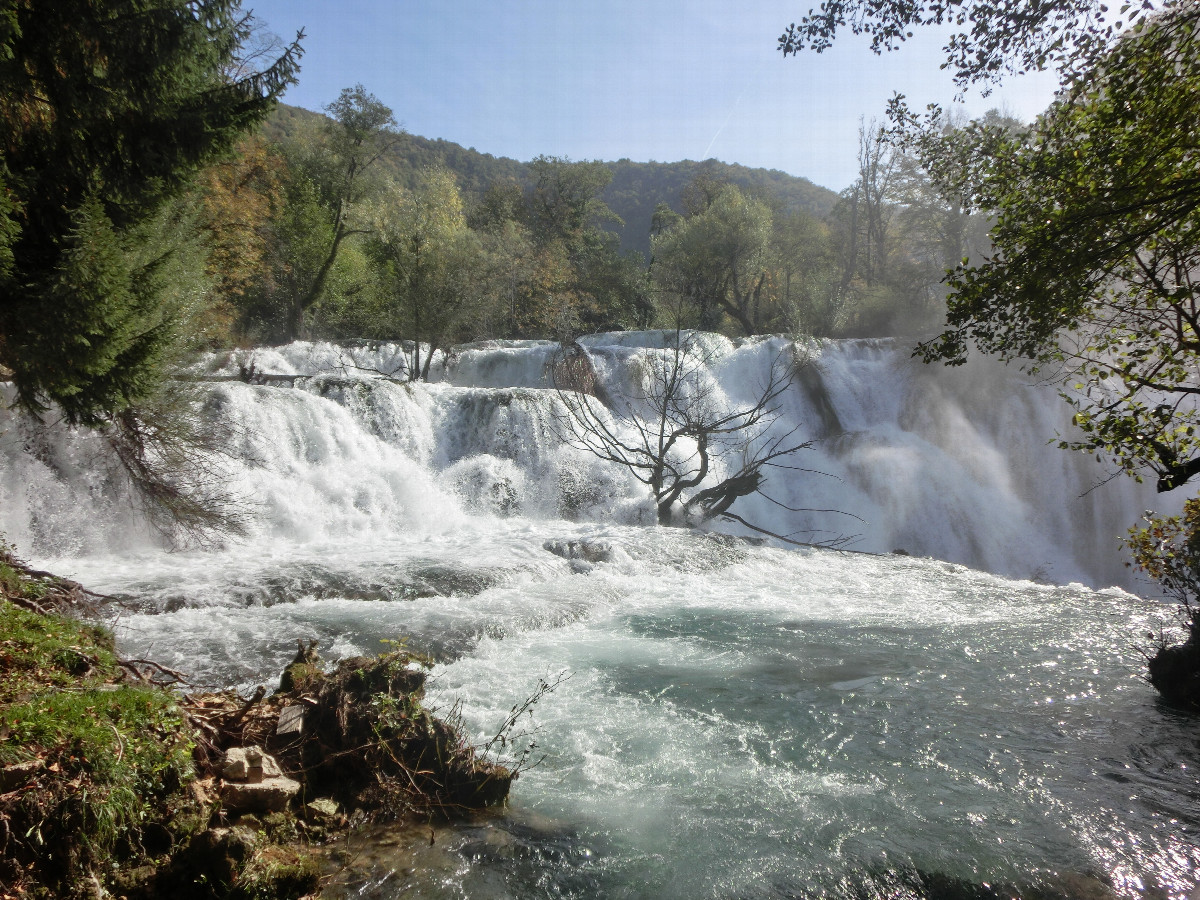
740	720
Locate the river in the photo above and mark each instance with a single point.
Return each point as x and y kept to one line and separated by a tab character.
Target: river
732	717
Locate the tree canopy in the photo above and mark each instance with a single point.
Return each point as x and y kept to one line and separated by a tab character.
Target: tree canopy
1094	207
994	37
1095	249
108	112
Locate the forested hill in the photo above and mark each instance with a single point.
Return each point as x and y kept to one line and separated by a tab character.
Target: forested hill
635	191
637	188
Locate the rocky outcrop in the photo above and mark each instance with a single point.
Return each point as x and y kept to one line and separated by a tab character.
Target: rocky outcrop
1175	674
357	735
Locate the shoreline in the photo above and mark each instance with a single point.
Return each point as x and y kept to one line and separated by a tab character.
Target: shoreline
114	783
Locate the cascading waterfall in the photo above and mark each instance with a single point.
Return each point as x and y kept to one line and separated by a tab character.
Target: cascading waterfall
742	719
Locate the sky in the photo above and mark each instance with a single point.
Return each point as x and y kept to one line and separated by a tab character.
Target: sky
659	80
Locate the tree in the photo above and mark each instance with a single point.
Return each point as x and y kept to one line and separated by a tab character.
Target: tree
240	196
564	201
590	285
697	456
430	257
513	263
1097	212
612	288
359	134
297	241
1095	250
109	110
717	259
896	233
870	233
996	37
809	296
932	222
501	203
1168	550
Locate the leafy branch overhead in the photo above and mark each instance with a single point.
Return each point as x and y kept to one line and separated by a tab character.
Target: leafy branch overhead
1092	272
993	38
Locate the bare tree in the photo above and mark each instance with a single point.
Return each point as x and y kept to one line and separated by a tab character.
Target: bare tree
697	456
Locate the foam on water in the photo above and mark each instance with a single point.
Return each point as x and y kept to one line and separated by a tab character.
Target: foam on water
740	720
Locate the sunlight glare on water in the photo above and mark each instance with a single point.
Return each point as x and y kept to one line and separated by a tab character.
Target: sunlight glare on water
734	720
743	721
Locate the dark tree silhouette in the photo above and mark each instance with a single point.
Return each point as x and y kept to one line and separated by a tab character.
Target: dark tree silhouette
676	437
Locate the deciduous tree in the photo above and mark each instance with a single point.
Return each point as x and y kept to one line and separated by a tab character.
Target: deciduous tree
431	262
717	259
1096	250
360	132
993	37
697	455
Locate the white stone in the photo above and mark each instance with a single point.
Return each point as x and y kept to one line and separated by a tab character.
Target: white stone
269	795
249	764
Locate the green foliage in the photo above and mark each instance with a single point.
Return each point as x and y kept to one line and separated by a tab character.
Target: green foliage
300	237
614	286
278	874
432	266
1168	550
546	259
564	200
113	305
108	112
493	187
995	37
1098	208
805	276
335	175
108	759
639	189
716	260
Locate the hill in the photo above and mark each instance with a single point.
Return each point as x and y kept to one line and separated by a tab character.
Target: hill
636	189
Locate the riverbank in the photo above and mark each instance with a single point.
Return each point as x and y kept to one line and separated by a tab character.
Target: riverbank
114	783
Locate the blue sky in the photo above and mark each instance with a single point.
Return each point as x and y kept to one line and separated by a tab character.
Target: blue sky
606	79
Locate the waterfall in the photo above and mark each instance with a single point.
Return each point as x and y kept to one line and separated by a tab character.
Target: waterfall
741	719
956	464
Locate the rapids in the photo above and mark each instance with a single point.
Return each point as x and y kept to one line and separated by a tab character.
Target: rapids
737	719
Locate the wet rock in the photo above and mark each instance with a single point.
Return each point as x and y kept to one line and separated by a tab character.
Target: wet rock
1175	674
321	809
571	370
587	551
220	853
268	795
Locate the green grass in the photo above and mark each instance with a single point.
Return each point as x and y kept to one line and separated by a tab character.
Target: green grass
109	758
40	653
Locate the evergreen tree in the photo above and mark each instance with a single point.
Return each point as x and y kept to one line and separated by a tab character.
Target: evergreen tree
109	109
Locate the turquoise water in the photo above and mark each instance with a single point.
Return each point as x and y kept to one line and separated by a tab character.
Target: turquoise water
739	721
